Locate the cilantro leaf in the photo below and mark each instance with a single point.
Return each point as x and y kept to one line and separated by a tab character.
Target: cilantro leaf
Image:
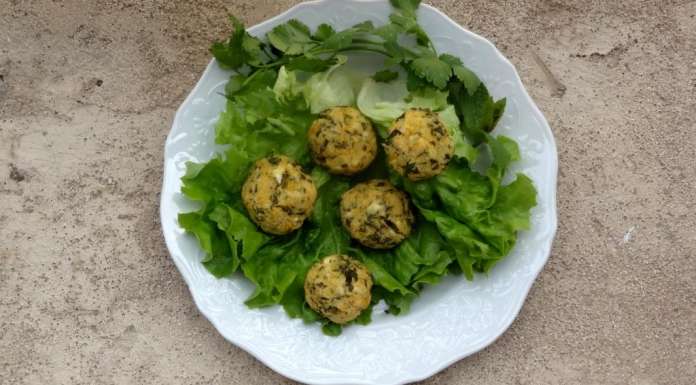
365	26
229	53
224	55
478	111
432	69
307	64
408	7
465	75
331	329
396	53
235	84
413	81
338	41
405	19
291	38
498	110
240	49
253	52
450	59
324	31
388	32
385	76
410	25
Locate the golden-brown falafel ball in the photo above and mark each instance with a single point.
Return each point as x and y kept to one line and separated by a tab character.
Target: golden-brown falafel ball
342	140
278	195
376	214
338	287
419	145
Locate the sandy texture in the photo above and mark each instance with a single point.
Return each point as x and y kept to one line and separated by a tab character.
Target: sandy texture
88	294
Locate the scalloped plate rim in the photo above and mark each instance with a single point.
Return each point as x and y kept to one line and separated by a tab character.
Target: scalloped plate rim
469	350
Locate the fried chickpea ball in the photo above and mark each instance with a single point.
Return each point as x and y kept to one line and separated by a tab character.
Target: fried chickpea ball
419	145
376	214
338	287
278	195
342	140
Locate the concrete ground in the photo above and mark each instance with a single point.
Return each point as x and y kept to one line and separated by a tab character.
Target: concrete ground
88	294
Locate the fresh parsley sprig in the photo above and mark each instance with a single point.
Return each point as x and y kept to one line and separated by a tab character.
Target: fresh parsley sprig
402	41
294	44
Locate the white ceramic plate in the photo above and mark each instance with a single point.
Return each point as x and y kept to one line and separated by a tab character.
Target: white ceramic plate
449	321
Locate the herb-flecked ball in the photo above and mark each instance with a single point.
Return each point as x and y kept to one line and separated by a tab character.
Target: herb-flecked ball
338	287
419	146
278	195
376	214
342	140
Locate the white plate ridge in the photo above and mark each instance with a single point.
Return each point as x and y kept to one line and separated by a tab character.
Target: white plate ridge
448	321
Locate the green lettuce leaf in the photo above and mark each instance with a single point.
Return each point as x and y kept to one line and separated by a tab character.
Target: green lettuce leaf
279	266
218	179
333	87
287	88
477	216
263	116
274	268
384	102
242	235
400	273
462	147
509	214
219	259
325	234
468	246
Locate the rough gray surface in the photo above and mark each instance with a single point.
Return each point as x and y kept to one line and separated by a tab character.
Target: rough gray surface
88	294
